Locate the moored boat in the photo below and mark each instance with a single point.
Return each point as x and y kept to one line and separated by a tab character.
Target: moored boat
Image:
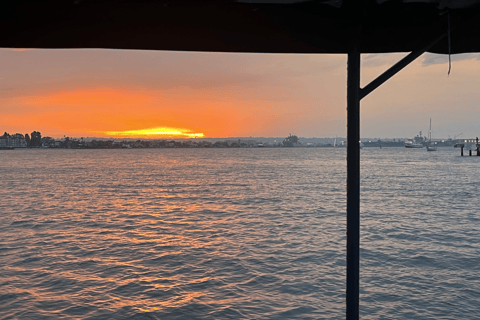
431	146
411	144
292	141
416	142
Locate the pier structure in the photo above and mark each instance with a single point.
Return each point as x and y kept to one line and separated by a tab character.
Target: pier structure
470	144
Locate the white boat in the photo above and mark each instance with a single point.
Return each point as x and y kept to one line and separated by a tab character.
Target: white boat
430	145
416	142
412	144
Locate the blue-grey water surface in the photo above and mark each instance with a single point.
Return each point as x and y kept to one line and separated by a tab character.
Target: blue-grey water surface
235	234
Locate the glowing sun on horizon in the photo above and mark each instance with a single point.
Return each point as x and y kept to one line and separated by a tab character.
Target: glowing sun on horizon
153	133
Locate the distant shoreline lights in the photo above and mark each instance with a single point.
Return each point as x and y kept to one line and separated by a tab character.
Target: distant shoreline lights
152	133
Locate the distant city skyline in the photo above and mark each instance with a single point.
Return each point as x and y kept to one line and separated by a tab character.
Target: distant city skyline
186	137
81	93
35	140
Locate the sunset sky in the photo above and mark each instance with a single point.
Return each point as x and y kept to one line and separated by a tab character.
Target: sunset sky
95	93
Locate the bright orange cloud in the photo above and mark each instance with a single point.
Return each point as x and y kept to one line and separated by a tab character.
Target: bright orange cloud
161	132
181	112
178	112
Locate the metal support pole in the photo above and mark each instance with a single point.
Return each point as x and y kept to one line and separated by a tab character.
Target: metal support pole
397	67
353	184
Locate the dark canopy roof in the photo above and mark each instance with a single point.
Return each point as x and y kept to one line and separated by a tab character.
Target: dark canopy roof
274	26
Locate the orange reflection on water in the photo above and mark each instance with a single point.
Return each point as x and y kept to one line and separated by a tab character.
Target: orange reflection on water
151	305
159	132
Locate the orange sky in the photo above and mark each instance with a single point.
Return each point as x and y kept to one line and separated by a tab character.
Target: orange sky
86	93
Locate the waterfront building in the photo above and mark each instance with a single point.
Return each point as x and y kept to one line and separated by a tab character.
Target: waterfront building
13	141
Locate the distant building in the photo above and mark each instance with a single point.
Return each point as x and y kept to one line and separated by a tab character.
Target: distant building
16	141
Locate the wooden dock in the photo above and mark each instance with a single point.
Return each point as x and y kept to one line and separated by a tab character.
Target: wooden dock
471	143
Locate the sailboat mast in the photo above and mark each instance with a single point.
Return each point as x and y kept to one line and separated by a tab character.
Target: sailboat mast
430	131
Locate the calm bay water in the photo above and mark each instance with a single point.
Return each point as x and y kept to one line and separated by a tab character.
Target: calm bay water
235	234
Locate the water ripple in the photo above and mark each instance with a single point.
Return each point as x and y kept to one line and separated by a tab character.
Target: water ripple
235	234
